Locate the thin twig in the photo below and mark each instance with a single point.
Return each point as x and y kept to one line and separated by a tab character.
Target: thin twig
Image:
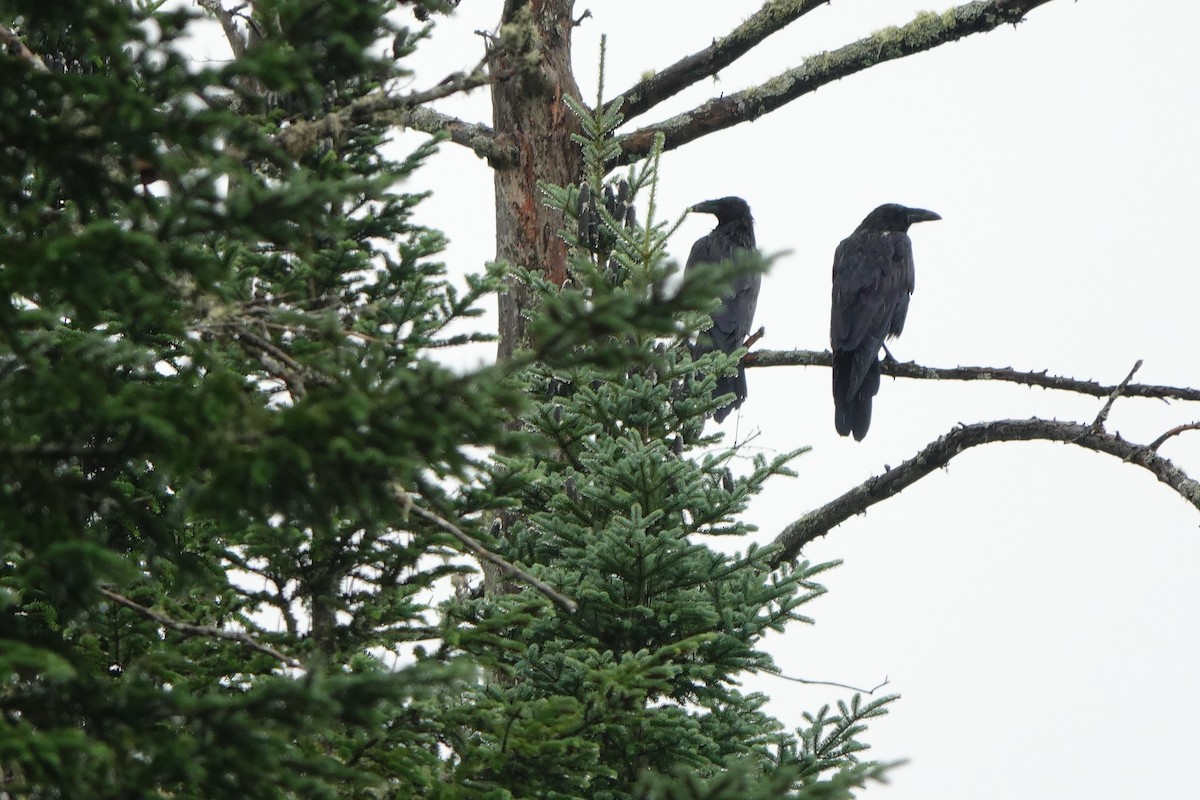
1157	443
1102	417
809	682
188	629
505	567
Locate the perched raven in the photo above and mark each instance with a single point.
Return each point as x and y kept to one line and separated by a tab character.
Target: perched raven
872	280
732	320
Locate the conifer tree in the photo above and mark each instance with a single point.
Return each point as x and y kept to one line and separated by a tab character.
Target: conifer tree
259	539
236	479
635	693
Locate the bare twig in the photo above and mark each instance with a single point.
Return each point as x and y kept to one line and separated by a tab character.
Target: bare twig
472	544
809	682
926	32
910	369
14	44
1102	417
937	454
1157	443
188	629
772	17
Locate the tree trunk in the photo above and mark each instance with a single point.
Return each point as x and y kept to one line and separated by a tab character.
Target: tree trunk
528	110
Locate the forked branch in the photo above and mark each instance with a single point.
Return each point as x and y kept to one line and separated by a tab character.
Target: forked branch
937	454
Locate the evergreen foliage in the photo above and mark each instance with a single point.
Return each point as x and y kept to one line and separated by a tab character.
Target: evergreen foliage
233	468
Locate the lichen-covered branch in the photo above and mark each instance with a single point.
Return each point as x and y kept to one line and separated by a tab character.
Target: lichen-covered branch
936	455
927	31
910	369
774	16
405	111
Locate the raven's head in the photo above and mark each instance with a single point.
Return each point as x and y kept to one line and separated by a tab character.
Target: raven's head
895	217
726	209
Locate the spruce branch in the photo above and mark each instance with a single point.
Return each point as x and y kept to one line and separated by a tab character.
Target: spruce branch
481	552
188	629
911	369
774	16
937	454
925	32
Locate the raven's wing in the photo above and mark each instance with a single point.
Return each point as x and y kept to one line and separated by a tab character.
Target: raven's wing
733	319
873	277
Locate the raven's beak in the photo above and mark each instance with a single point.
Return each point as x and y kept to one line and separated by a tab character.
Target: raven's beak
921	215
707	207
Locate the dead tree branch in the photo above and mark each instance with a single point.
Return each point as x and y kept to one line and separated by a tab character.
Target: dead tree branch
236	39
910	369
926	32
15	45
936	455
774	16
188	629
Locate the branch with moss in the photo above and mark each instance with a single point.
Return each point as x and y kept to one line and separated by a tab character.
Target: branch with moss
937	454
406	111
927	31
911	369
773	17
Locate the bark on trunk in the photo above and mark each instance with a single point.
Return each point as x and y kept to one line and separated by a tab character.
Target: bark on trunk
528	110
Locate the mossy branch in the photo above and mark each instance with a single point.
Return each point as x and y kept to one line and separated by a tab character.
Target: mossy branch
925	32
772	17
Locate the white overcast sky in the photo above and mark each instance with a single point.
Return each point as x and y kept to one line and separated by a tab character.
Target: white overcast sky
1034	604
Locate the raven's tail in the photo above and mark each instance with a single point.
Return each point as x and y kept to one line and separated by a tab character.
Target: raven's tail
734	385
852	404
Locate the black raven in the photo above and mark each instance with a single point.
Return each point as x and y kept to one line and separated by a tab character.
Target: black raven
732	320
872	279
